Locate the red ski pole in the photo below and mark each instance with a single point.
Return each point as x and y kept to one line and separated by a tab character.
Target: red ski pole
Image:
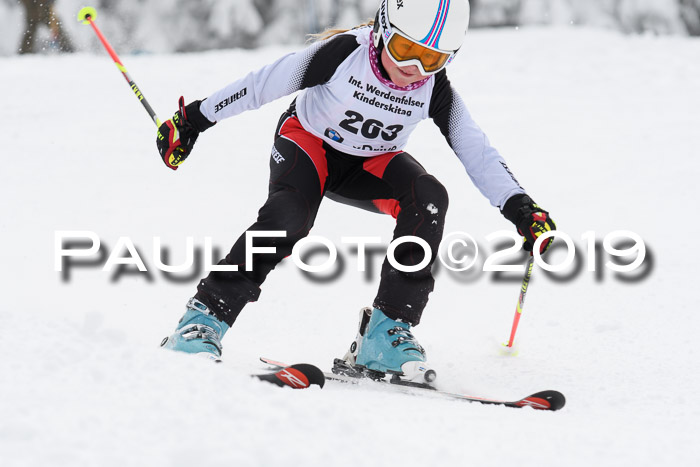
521	300
87	15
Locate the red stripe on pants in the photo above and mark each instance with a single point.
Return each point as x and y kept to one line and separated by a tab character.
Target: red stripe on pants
388	206
377	165
310	144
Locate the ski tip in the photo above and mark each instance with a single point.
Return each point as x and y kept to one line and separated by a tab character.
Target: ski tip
299	376
273	363
313	374
544	400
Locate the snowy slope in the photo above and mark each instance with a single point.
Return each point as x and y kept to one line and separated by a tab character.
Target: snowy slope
602	131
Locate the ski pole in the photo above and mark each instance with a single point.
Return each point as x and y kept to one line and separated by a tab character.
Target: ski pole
87	15
521	299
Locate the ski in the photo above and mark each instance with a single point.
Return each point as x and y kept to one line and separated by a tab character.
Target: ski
543	400
299	376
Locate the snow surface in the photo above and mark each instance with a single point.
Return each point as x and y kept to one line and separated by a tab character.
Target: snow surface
602	130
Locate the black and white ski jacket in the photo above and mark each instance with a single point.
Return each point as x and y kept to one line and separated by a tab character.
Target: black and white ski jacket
353	108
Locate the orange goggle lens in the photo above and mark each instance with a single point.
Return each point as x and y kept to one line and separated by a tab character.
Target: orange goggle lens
403	49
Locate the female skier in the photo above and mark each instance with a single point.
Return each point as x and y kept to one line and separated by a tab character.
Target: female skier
364	91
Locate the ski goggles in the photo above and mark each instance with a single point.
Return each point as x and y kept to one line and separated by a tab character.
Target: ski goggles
404	51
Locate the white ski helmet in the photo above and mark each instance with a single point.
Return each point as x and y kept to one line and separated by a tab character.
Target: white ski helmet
430	25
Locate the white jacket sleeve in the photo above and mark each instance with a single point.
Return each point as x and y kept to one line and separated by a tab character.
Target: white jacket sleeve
309	67
484	165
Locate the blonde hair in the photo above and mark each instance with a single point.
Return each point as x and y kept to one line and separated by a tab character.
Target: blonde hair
330	32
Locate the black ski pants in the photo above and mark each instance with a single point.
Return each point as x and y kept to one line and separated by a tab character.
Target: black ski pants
304	169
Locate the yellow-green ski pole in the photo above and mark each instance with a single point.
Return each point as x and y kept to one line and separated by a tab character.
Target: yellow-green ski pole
87	15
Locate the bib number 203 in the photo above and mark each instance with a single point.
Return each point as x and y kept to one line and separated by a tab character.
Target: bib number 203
369	128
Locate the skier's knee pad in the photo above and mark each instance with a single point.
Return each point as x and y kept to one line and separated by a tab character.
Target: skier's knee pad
431	195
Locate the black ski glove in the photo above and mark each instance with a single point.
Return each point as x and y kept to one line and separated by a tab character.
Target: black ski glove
530	220
176	137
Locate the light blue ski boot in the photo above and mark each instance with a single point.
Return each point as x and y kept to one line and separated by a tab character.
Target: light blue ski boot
198	332
387	346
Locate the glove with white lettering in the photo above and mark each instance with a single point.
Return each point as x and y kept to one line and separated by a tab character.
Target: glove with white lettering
176	137
530	220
